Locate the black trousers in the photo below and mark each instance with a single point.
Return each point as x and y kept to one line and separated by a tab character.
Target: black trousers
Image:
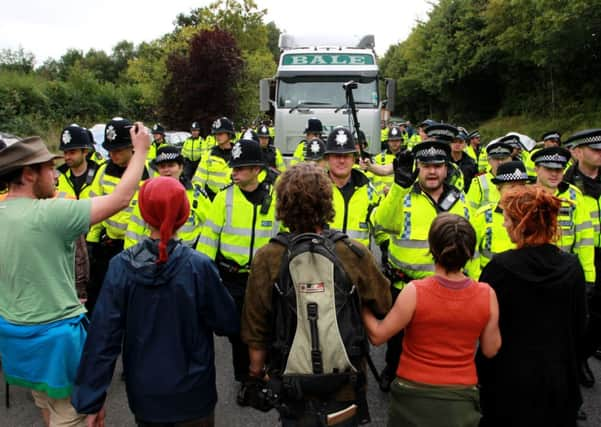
236	285
394	346
208	421
307	416
99	264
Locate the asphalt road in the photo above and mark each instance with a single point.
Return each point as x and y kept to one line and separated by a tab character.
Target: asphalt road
23	412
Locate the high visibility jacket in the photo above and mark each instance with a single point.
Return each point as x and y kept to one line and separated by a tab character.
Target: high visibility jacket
236	228
382	183
577	235
483	191
353	217
138	230
455	176
526	159
299	153
273	158
209	143
152	151
193	149
213	171
108	176
591	191
412	140
491	236
480	158
65	185
406	214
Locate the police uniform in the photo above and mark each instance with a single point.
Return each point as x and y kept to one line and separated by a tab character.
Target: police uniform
482	190
271	155
106	238
591	190
313	126
477	154
354	201
386	157
491	236
214	172
192	151
238	224
406	215
189	233
315	150
69	185
157	129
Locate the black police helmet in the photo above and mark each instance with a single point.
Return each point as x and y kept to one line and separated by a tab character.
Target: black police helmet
315	149
195	126
74	136
340	141
116	134
223	125
263	131
246	152
158	128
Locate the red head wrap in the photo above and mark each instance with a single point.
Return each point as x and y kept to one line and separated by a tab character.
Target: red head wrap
164	206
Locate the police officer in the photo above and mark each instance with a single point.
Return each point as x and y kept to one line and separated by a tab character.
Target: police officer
315	151
77	174
170	162
474	150
395	144
105	239
551	139
192	150
586	175
158	136
492	237
482	190
272	155
214	172
353	196
240	221
459	157
313	130
447	134
406	214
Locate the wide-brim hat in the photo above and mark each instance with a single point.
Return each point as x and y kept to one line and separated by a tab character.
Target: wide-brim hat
552	157
513	171
590	138
24	152
432	152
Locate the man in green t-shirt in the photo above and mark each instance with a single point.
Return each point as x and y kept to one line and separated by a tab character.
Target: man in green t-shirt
40	313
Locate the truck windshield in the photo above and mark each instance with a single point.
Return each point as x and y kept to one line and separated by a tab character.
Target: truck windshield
325	92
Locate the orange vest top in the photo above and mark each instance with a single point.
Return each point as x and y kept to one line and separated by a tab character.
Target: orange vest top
440	340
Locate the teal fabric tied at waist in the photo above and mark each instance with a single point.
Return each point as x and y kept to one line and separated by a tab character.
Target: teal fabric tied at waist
423	405
43	357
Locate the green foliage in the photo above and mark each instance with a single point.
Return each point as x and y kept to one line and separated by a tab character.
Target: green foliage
16	60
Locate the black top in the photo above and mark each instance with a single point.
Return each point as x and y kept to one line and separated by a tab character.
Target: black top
468	168
533	380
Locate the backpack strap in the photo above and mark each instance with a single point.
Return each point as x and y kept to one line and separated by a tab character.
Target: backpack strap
335	236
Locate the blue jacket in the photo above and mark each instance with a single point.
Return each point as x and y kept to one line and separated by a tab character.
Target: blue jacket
165	316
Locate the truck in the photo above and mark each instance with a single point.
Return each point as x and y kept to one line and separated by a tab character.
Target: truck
312	81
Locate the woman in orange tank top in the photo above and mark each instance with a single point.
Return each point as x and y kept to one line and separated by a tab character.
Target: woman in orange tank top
444	317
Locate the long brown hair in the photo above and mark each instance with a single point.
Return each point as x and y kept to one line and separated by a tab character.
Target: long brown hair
533	212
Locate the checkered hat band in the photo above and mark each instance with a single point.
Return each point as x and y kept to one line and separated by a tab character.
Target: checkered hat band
166	157
514	176
555	158
552	136
589	140
430	152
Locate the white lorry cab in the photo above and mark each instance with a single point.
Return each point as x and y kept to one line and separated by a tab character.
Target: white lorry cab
313	79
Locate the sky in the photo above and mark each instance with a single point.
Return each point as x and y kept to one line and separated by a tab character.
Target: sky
48	28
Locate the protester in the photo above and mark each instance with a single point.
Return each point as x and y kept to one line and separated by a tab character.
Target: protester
533	380
444	316
164	300
305	205
40	313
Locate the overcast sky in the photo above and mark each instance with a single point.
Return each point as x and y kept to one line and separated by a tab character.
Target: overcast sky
47	28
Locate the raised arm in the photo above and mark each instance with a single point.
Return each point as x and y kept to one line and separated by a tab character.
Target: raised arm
106	206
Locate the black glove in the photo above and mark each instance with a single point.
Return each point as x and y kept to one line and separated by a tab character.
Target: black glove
256	394
404	175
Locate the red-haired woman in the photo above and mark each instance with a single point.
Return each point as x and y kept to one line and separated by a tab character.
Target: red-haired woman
533	380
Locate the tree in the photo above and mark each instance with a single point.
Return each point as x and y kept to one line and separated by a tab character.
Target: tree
16	60
201	83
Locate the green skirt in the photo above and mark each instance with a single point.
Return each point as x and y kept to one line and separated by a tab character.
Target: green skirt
422	405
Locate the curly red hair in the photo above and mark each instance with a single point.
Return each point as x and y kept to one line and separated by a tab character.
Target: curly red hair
533	212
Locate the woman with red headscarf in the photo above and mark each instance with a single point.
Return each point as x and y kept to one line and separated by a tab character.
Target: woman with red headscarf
533	379
163	300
